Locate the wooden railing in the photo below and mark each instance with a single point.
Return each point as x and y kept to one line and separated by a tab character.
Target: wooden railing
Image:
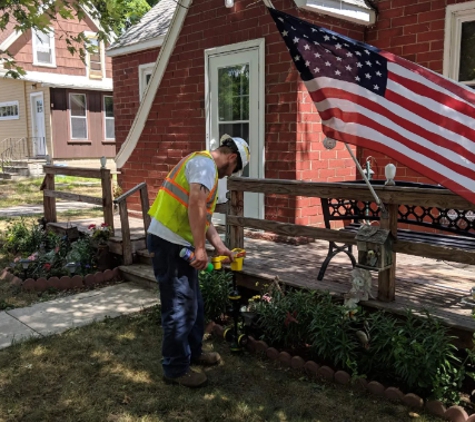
50	194
121	201
391	196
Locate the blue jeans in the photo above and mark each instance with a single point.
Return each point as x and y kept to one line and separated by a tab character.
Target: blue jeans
181	306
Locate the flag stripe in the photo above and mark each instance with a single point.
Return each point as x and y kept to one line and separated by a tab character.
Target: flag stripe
440	141
393	137
402	156
439	97
461	90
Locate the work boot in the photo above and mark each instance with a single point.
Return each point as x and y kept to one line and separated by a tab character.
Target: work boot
207	359
191	379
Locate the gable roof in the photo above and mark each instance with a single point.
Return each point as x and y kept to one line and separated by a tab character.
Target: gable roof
149	32
10	35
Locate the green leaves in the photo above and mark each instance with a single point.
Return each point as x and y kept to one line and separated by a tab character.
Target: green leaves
215	288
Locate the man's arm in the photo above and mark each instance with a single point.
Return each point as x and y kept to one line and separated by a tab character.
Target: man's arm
197	218
213	238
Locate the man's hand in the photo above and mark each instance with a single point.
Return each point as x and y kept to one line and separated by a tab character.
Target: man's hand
201	259
224	251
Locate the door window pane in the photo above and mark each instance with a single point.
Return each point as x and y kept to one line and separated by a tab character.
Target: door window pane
233	103
78	116
233	93
467	52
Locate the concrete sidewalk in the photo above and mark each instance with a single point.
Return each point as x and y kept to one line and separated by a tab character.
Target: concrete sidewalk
20	210
56	316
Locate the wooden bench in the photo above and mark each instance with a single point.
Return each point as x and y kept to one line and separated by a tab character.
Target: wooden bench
448	227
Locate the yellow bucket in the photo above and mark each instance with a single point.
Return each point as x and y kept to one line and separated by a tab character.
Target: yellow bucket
237	264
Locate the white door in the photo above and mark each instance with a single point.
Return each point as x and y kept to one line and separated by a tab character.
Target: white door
235	106
38	124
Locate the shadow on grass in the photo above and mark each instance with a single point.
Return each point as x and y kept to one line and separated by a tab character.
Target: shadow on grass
111	371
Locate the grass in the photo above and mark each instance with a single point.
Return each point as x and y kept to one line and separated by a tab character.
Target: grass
110	371
27	192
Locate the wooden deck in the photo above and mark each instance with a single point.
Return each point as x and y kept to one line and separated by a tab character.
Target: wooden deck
438	286
422	283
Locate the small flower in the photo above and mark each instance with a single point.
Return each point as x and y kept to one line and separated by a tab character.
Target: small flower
291	318
47	266
266	298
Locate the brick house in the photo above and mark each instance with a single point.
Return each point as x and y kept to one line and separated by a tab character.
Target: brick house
227	70
61	107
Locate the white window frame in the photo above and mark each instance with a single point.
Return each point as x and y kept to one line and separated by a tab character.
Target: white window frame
11	104
108	118
71	116
93	35
144	70
34	39
455	16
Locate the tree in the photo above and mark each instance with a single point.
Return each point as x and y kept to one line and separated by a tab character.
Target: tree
114	15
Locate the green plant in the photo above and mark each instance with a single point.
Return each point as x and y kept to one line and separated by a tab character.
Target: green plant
23	238
215	288
100	234
284	317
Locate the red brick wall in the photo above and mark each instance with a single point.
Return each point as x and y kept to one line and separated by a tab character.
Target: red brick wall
126	104
176	124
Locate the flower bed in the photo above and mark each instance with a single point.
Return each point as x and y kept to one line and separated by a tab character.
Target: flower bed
36	253
412	353
323	372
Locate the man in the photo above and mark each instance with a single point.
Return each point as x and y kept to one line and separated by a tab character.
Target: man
181	216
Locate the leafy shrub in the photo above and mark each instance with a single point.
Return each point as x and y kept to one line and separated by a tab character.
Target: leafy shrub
215	288
333	334
413	352
23	238
286	316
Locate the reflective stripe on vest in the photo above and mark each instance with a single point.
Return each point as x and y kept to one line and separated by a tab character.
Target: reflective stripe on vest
171	205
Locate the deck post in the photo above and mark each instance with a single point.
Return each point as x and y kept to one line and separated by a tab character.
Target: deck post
49	202
387	278
107	198
236	208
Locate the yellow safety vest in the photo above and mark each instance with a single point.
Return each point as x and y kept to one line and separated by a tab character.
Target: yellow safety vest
171	204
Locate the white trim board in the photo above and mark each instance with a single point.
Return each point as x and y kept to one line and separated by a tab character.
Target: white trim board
140	46
159	70
340	9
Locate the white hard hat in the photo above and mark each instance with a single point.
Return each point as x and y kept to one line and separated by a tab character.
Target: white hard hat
242	148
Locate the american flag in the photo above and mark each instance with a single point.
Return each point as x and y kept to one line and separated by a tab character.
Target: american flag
374	99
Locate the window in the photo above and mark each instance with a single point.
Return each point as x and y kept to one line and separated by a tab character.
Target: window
94	57
9	110
145	73
43	48
459	47
78	107
109	117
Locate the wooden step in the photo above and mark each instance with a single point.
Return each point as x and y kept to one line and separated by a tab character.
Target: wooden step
140	274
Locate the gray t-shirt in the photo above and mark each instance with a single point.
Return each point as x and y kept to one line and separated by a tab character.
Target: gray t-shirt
200	170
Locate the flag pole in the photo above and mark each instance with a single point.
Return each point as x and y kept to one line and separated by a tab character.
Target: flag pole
363	174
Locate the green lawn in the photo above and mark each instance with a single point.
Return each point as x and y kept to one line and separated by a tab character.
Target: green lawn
111	372
27	192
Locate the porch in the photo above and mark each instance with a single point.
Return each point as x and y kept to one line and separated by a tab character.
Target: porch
22	157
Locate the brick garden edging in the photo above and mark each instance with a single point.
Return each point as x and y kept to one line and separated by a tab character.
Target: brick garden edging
61	283
314	370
